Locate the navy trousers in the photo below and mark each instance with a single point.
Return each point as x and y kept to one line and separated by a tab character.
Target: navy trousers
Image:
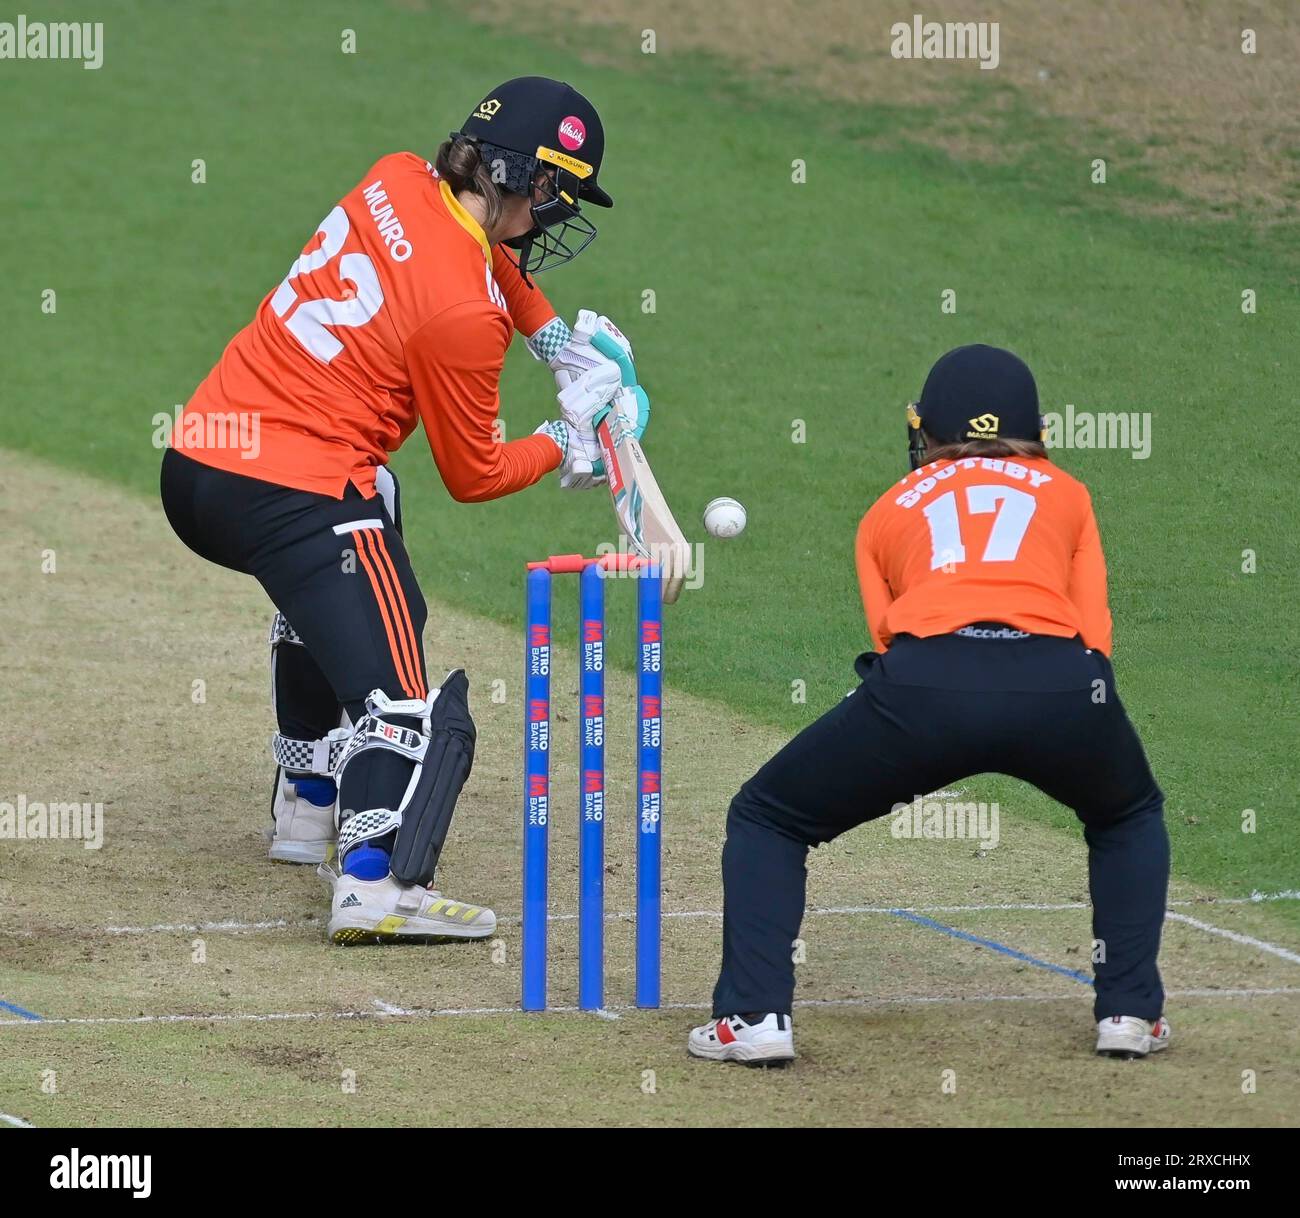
349	592
928	713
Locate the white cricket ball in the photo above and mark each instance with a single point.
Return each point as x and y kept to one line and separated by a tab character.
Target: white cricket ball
724	517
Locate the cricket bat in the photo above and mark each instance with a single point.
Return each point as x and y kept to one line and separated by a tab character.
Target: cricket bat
643	513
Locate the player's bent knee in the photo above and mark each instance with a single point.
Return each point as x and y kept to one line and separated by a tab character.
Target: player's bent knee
750	806
1149	804
436	736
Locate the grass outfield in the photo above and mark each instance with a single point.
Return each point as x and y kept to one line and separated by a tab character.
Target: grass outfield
782	311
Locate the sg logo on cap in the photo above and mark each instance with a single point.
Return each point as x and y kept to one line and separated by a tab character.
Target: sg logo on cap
984	425
487	109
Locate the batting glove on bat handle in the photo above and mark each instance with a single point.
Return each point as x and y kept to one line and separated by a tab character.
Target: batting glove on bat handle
583	399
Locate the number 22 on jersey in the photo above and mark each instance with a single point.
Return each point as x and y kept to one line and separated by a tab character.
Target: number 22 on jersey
309	321
1012	509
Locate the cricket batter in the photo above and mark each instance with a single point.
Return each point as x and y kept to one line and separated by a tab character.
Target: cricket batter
399	310
984	585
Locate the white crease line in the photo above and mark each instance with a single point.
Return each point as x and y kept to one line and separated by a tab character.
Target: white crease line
608	1012
1211	992
270	1017
1248	940
16	1121
1255	898
821	911
1027	907
229	924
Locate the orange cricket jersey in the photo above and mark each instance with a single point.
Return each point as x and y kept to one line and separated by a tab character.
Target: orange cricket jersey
984	539
397	310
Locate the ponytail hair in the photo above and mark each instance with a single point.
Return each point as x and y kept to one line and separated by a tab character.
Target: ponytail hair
460	164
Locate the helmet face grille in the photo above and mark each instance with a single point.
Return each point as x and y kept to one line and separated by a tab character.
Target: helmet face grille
560	232
544	248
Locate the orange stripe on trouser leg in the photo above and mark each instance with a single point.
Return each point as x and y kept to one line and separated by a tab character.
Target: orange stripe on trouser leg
404	612
397	607
384	615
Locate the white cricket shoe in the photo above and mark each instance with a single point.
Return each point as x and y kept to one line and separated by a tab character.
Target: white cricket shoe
303	832
767	1042
387	911
1128	1037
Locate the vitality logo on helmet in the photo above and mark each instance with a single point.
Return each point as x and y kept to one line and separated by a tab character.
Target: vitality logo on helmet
572	133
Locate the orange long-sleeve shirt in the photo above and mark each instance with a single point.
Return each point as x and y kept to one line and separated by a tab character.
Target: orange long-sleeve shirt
397	311
984	539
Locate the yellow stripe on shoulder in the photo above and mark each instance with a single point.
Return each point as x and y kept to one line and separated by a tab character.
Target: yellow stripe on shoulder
464	219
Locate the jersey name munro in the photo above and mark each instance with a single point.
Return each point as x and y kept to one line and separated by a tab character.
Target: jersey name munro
390	227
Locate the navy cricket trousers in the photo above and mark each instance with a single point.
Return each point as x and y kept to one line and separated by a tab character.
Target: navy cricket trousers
339	571
928	713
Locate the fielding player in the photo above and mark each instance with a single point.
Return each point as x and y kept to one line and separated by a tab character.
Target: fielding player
984	585
398	310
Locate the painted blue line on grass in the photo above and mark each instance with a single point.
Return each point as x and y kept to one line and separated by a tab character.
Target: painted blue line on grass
1073	974
9	1006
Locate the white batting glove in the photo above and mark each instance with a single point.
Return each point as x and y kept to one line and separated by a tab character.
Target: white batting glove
576	470
577	355
580	474
582	399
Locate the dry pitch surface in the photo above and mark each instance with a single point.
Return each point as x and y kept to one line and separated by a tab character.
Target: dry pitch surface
182	978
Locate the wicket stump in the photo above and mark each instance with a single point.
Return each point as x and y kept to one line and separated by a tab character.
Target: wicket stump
591	798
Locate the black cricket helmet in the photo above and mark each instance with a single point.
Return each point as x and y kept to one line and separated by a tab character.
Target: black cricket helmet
974	393
542	137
